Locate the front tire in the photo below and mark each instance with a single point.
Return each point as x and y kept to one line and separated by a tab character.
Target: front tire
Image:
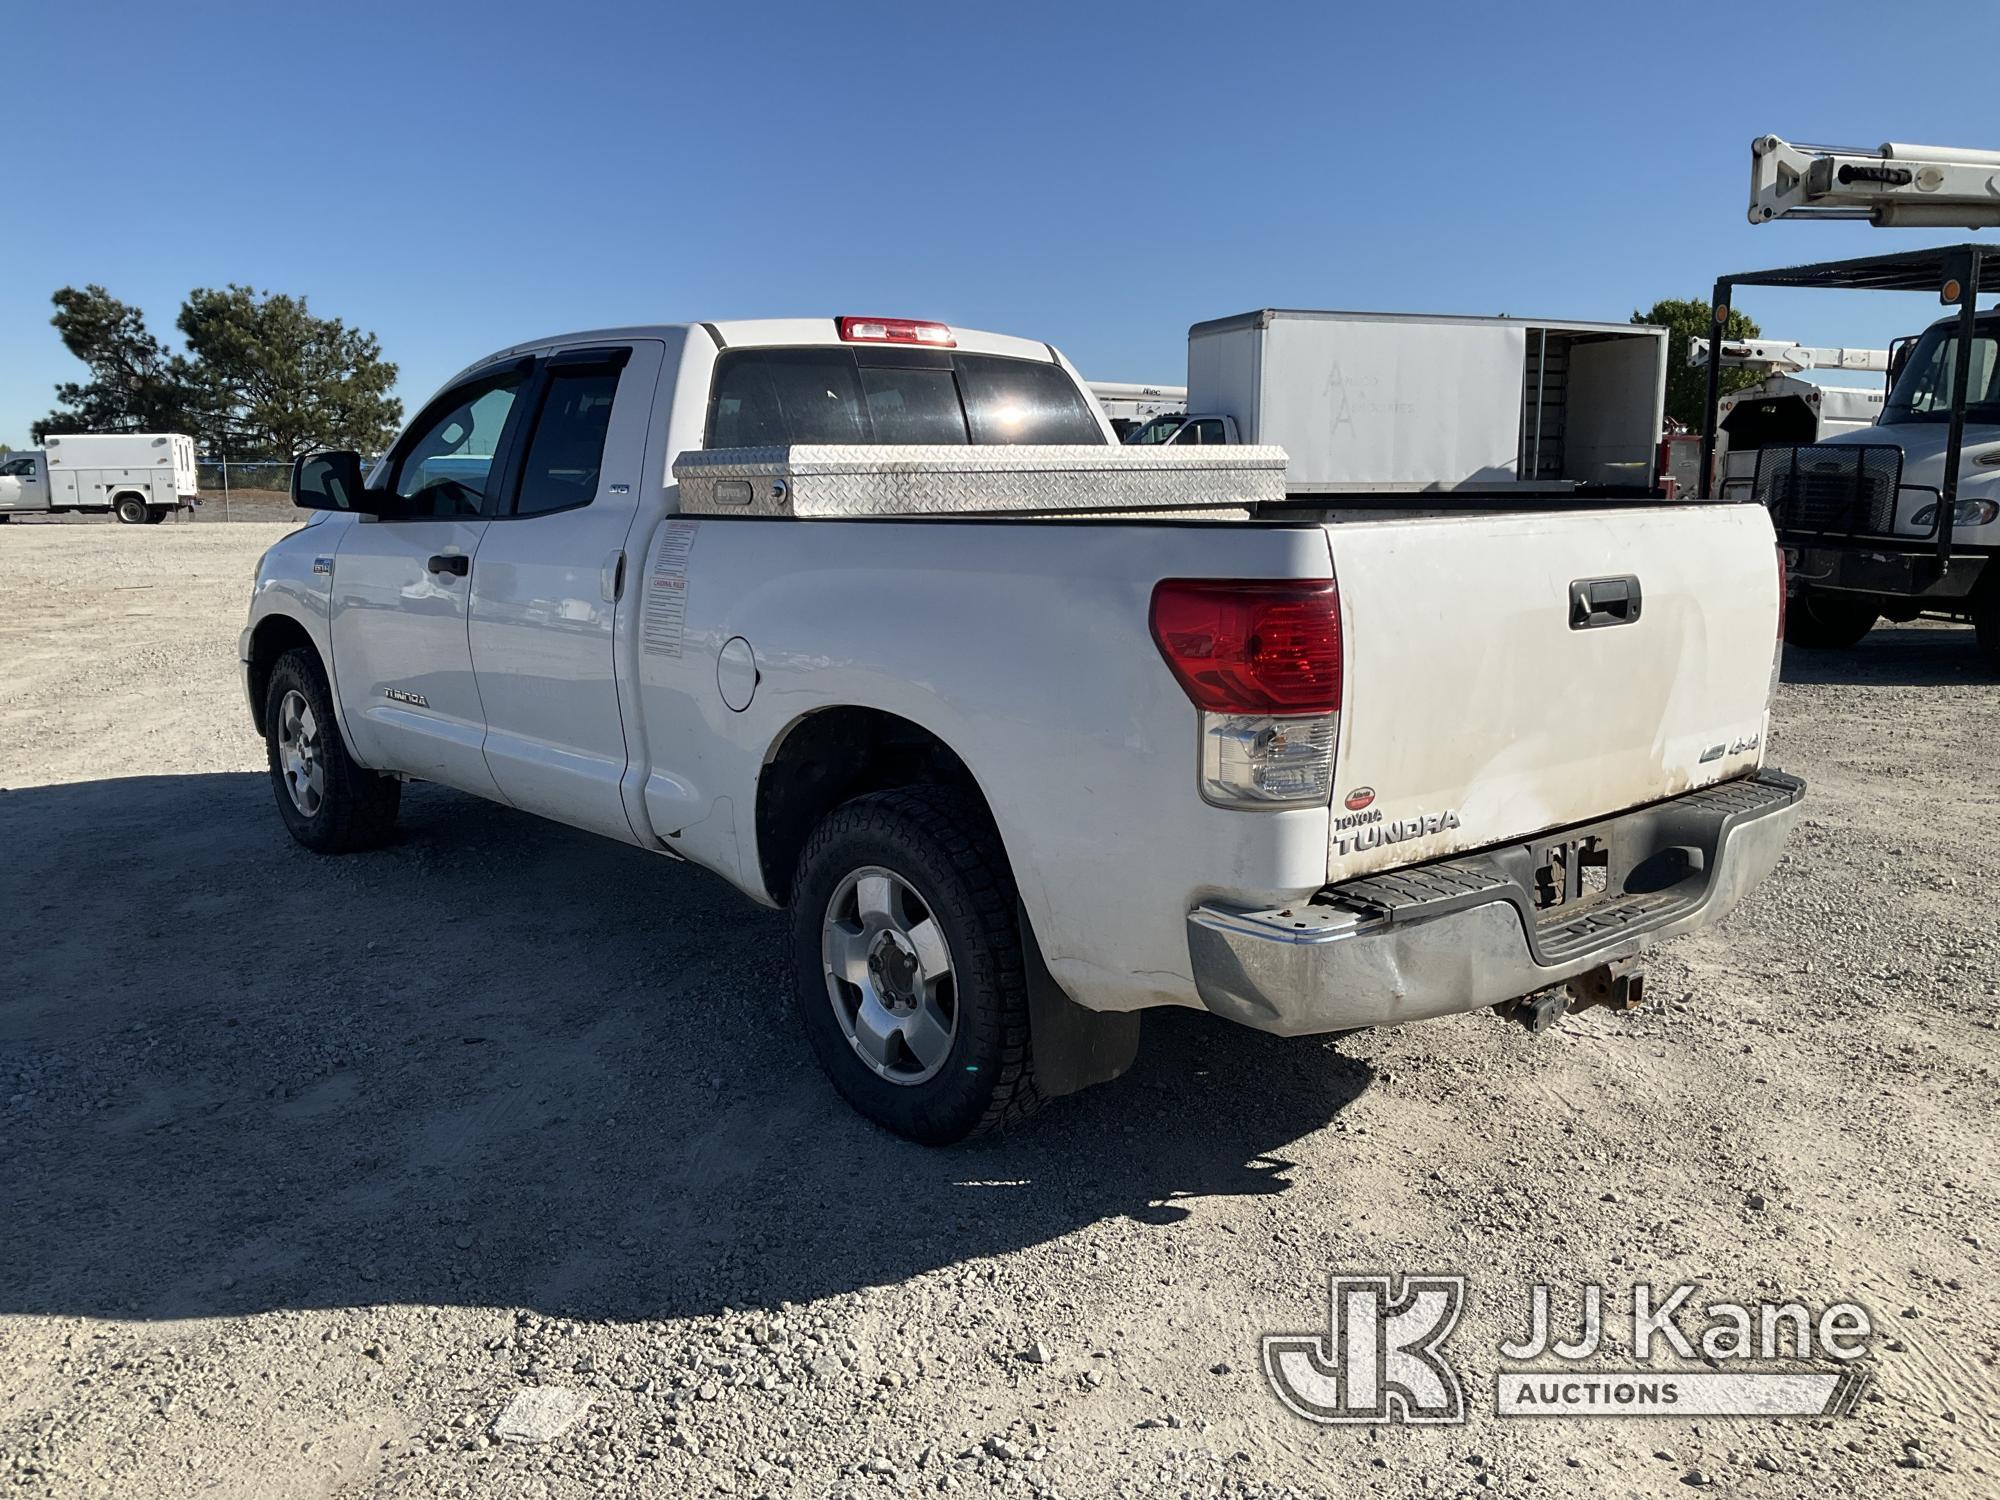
131	510
328	803
908	970
1822	622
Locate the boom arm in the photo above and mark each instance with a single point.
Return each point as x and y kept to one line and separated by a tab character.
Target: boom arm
1778	357
1898	186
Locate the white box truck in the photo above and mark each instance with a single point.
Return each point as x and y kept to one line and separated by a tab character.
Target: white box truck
1394	401
139	477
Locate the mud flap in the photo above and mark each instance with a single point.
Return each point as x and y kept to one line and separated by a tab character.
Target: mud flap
1073	1047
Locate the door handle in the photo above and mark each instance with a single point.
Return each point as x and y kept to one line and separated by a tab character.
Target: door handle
1597	602
450	562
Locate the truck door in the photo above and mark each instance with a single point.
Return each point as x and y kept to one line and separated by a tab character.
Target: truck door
401	586
23	486
546	585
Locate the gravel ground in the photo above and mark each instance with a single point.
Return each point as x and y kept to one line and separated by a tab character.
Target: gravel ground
309	1167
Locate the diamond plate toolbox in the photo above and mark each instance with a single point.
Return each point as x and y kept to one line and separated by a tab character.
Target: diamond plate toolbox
861	481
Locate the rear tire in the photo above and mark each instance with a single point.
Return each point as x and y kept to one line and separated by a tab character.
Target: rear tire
328	803
1823	622
131	510
155	514
907	966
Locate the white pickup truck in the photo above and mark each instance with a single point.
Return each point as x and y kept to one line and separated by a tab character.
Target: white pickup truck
1025	766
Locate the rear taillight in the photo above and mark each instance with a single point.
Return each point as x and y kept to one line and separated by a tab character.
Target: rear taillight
1252	646
1261	659
895	331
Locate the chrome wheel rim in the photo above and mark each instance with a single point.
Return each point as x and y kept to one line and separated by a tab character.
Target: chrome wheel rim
889	976
299	760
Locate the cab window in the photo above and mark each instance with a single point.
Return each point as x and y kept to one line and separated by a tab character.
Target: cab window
443	471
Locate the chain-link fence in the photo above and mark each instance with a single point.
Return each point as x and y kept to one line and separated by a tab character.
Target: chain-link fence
244	490
249	489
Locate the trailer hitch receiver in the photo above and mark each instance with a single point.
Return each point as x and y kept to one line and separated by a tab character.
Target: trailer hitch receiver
1619	986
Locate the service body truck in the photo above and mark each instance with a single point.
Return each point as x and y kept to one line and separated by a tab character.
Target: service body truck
1031	732
1393	401
1129	405
139	477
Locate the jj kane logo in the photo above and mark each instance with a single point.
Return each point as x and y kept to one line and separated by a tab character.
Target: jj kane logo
1382	1357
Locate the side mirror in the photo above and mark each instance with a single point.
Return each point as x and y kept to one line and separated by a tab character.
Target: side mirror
329	481
1899	356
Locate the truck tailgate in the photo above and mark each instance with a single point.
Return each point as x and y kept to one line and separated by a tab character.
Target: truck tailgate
1476	710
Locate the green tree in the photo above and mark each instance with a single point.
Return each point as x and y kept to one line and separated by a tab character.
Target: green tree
262	376
1687	385
275	381
133	385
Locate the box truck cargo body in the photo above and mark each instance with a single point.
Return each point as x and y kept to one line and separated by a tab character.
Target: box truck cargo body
1379	401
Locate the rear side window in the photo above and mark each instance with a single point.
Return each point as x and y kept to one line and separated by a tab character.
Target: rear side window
767	397
566	453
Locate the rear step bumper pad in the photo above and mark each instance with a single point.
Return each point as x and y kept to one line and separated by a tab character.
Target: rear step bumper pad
1466	933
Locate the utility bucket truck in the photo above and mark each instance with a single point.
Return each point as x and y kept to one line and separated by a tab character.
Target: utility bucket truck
1128	405
1900	519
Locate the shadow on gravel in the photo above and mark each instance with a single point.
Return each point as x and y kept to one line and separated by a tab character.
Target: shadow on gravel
1895	656
500	1064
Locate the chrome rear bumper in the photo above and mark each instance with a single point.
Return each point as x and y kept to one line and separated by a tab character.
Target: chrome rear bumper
1466	933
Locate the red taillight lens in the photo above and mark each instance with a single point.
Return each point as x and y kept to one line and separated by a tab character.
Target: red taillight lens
1252	646
895	331
1781	593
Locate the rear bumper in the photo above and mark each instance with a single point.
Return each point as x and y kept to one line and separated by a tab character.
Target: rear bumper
1465	933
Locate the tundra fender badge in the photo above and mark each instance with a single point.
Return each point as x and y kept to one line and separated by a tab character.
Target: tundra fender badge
397	695
1360	797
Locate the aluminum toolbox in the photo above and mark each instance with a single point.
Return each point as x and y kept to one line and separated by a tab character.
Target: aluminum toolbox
860	481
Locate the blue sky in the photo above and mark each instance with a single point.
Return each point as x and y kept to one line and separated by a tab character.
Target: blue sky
458	177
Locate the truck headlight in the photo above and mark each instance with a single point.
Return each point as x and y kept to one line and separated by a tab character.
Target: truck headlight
1964	513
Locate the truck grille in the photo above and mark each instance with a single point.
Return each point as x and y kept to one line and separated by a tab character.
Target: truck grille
1846	489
